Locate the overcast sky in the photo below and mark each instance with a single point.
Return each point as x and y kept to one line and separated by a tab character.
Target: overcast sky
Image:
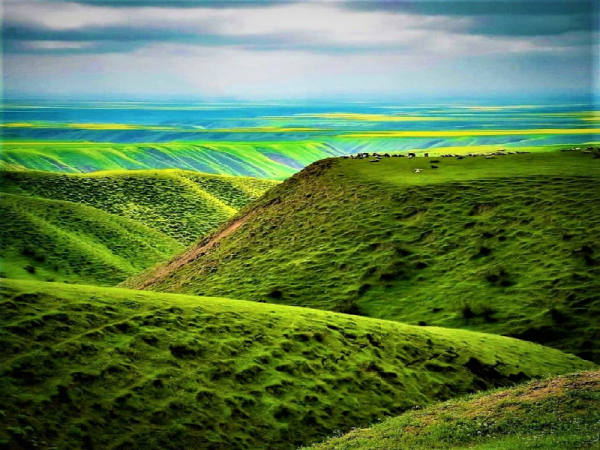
274	50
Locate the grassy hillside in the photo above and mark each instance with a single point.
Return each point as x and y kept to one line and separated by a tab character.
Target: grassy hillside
179	204
558	413
57	240
91	367
506	245
274	160
243	155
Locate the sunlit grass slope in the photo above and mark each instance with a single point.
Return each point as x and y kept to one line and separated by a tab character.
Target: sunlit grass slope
274	160
58	240
91	367
507	246
179	204
558	413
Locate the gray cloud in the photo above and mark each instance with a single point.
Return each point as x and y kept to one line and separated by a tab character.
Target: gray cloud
500	17
213	4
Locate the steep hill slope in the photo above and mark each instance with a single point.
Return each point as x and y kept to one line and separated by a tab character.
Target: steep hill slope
58	240
90	367
559	413
507	245
182	205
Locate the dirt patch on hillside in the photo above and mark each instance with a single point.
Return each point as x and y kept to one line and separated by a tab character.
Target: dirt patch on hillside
192	254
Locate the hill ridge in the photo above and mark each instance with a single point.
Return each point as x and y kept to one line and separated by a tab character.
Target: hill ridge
436	247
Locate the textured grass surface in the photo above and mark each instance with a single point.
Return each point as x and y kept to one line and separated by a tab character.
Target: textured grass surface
183	205
105	227
559	413
58	240
507	246
90	367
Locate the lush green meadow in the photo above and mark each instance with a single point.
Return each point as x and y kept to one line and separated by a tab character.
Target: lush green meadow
56	240
107	226
345	301
91	367
506	245
558	413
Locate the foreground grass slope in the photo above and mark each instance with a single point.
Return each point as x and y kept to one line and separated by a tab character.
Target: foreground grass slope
179	204
507	246
557	413
55	240
91	367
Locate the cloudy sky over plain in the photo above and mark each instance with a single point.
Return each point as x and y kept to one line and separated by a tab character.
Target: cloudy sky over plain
322	49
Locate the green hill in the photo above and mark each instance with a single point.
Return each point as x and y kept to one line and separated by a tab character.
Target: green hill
559	413
91	367
506	245
58	240
182	205
274	160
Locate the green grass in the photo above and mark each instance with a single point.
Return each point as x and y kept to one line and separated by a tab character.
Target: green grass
558	413
506	246
92	367
180	204
271	160
55	240
104	227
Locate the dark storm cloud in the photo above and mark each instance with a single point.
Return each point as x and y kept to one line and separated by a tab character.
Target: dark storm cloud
476	7
498	18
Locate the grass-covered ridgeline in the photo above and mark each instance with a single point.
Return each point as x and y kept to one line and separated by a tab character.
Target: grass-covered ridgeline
506	245
557	413
104	227
58	240
92	367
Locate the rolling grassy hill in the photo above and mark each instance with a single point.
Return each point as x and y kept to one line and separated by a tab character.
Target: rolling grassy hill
105	227
558	413
182	205
58	240
92	367
506	246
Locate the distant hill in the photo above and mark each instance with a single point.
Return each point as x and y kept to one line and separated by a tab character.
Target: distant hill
558	413
105	227
270	160
91	367
506	245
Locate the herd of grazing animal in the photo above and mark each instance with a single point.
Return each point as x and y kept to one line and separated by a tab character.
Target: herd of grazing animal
586	151
377	157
